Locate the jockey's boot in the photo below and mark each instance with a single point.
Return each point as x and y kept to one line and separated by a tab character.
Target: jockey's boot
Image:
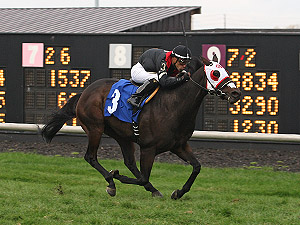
142	92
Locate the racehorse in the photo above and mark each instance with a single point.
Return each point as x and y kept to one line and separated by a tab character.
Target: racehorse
166	123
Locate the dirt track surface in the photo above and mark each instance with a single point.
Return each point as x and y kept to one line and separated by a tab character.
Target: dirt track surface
284	159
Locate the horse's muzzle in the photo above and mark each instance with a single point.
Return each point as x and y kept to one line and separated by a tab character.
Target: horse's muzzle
234	96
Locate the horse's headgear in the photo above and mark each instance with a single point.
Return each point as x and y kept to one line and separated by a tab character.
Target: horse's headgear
182	52
217	75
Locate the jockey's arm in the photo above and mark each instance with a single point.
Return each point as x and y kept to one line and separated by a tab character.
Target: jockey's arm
168	81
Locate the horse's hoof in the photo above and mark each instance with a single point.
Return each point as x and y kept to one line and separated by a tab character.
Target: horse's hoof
175	195
157	194
111	191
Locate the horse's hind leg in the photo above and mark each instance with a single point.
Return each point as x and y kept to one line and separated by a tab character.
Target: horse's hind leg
128	150
91	157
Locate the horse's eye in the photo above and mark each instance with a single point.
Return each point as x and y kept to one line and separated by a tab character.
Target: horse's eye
216	73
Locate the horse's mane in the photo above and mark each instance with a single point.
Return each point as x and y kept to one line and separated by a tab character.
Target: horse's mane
195	64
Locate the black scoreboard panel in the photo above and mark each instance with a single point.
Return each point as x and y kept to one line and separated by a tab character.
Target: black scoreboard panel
264	66
50	87
258	109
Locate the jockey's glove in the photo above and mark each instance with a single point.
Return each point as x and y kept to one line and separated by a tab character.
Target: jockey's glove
183	76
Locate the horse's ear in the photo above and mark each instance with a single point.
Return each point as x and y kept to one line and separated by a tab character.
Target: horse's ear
215	58
205	61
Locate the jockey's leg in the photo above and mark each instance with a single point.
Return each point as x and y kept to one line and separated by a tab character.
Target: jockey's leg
141	76
142	92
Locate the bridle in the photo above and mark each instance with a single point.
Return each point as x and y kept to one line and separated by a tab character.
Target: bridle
216	91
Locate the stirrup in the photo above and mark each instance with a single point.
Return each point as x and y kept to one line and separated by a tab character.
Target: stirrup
132	101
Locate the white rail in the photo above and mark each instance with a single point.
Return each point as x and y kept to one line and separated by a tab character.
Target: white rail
207	135
215	135
37	127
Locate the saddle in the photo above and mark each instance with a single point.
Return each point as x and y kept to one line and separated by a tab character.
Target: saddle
116	102
150	96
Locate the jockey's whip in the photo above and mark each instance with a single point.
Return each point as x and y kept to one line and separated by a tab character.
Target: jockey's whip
185	38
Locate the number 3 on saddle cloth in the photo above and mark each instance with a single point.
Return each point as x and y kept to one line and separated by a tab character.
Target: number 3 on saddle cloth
116	102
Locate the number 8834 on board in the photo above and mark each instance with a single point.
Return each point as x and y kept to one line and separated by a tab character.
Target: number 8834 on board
258	109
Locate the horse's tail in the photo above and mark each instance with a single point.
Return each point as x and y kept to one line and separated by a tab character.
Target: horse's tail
67	112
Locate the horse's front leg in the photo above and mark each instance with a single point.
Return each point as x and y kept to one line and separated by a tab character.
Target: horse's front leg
187	155
128	150
146	162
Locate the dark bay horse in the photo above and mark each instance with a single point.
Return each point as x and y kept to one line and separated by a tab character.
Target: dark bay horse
166	123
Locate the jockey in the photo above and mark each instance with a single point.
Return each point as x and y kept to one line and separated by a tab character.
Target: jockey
159	67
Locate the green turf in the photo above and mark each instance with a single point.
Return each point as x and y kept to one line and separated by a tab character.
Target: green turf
37	189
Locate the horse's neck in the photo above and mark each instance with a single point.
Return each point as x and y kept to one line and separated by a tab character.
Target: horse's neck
190	95
194	93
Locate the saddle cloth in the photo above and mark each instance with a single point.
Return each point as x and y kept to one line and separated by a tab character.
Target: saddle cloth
116	102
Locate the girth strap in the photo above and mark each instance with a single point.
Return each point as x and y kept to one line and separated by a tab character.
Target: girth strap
136	131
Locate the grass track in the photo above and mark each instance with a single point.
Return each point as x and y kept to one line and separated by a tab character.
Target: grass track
37	189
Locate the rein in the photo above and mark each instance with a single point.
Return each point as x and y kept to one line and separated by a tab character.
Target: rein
204	88
216	91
